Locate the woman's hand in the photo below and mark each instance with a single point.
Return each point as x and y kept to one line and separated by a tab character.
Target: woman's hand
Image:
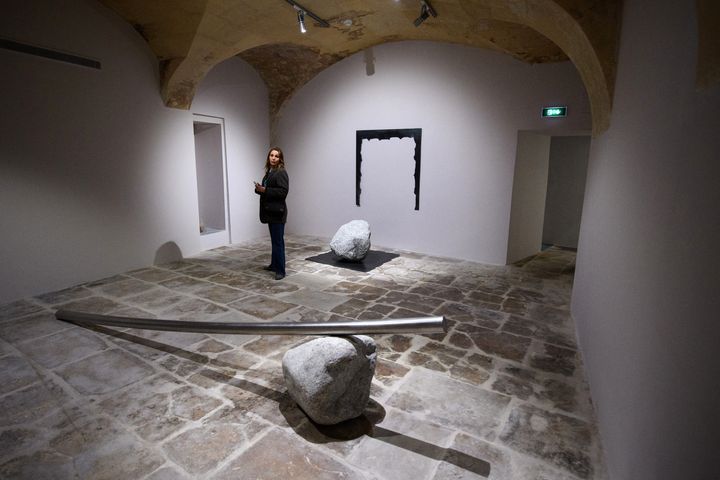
259	188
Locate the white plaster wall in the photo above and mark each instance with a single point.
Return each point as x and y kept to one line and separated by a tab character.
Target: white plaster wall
567	171
234	91
645	298
528	195
470	104
96	174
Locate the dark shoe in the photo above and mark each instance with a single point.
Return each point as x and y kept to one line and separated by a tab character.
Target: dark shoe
279	276
269	268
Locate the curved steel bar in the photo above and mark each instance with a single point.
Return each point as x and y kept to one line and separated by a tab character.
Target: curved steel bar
406	325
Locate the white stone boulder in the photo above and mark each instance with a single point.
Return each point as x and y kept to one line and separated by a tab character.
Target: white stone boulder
352	240
330	377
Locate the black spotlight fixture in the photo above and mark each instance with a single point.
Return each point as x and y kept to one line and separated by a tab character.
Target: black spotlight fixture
301	20
301	12
425	11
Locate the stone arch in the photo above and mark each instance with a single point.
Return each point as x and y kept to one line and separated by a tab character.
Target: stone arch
585	30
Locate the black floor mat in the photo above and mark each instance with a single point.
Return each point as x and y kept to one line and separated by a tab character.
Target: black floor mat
373	259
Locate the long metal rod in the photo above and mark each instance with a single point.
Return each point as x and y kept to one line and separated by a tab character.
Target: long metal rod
406	325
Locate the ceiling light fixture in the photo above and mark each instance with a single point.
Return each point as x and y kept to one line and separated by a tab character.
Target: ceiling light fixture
302	11
301	21
425	11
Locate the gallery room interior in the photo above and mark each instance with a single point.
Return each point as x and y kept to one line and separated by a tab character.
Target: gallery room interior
574	258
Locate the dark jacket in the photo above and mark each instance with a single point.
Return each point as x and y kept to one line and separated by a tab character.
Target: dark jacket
272	202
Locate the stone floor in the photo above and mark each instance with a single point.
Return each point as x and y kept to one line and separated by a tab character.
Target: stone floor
500	396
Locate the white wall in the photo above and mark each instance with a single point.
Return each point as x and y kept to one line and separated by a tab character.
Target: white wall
565	190
96	174
234	91
528	195
646	300
470	104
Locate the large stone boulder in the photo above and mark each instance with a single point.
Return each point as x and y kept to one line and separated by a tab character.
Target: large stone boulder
330	377
352	240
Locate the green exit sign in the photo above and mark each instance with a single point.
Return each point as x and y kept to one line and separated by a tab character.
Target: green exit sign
554	111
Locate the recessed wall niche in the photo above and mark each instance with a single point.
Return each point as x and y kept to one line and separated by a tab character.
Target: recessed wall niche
361	135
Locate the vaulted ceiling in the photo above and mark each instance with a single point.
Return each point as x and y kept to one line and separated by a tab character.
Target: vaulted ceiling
189	37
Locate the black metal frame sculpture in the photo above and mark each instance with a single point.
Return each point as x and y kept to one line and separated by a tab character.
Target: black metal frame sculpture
360	135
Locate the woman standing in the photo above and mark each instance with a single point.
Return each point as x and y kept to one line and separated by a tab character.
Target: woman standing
273	210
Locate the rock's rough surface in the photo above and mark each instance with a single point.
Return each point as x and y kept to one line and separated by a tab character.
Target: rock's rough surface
330	377
352	240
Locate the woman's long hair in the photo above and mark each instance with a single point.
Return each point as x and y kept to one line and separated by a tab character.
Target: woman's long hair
281	165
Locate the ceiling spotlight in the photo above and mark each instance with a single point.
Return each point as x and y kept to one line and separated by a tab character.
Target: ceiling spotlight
301	21
425	11
302	11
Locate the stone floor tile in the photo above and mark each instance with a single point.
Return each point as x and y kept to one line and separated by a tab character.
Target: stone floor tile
261	306
504	345
52	351
396	343
351	308
439	291
199	271
451	403
212	346
156	300
419	303
396	456
377	311
103	450
100	305
273	345
474	459
303	314
470	315
105	372
554	359
467	372
123	287
193	309
146	406
561	440
308	280
17	309
183	367
297	460
386	282
389	373
46	465
558	335
232	279
63	296
132	312
322	301
219	293
26	405
34	326
182	283
344	287
166	340
153	274
15	373
5	348
168	473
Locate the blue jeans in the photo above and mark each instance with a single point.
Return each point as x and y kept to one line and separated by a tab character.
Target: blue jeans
277	233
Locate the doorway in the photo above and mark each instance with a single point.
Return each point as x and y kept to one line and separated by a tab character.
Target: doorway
548	192
210	163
